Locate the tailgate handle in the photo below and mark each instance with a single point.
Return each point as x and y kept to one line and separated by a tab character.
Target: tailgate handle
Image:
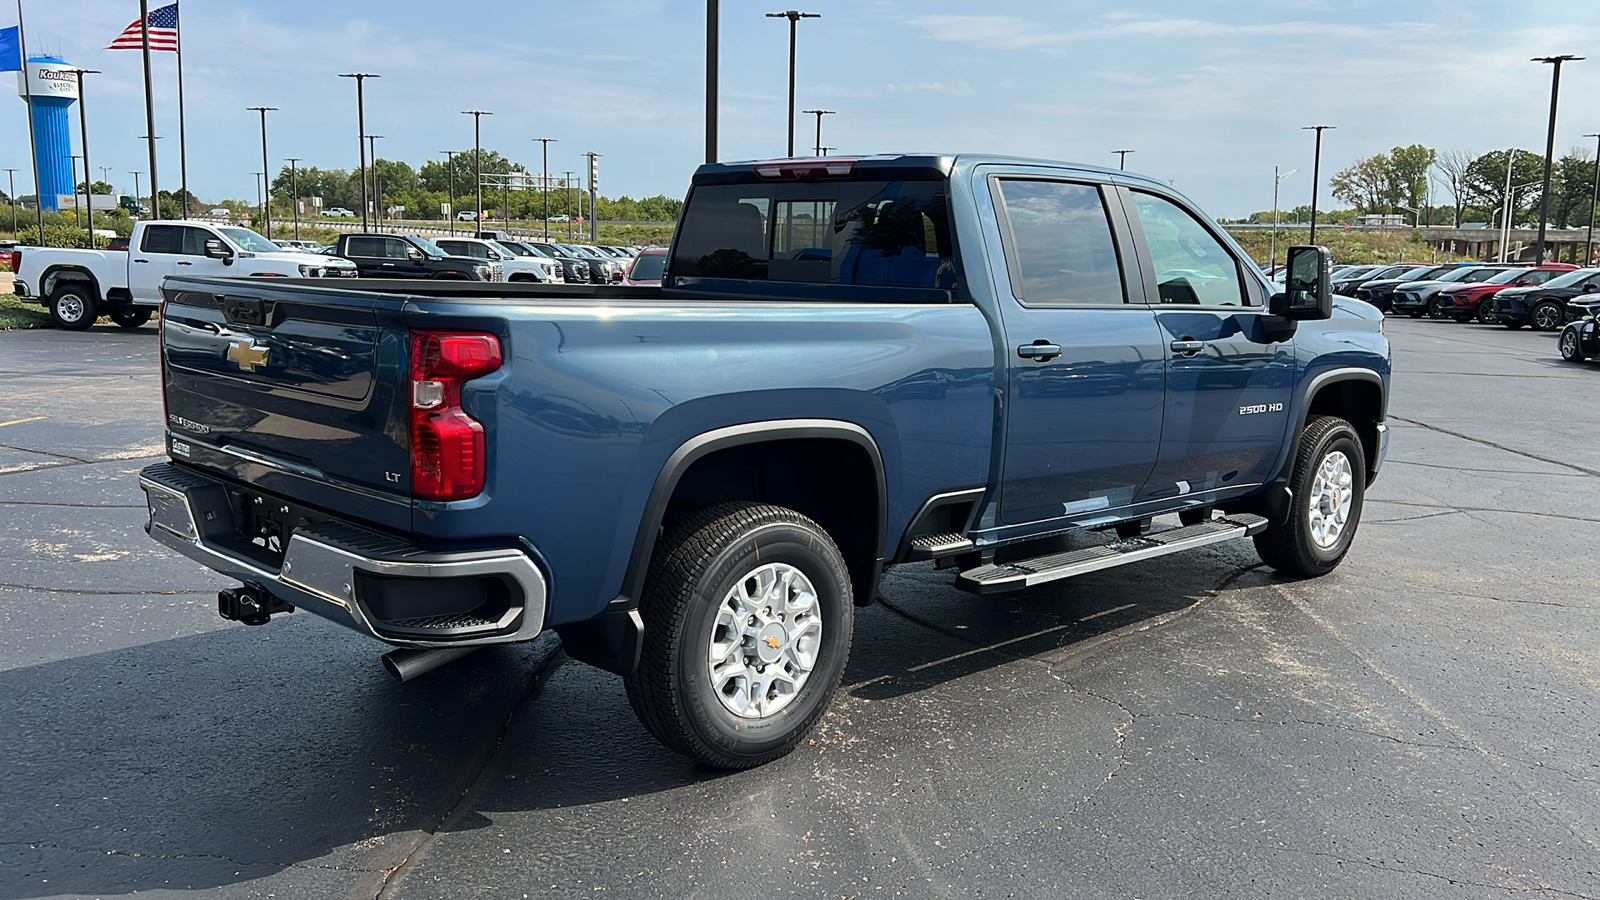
243	311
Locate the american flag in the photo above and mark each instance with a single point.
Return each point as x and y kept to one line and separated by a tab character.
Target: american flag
163	32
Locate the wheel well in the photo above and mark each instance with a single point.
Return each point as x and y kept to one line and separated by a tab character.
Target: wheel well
833	482
54	277
1358	402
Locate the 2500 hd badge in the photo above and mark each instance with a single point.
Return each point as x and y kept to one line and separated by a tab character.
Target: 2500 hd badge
1260	408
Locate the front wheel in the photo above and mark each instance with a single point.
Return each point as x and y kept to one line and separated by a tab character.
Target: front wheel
1571	343
747	623
1329	486
1483	316
1546	316
130	316
72	307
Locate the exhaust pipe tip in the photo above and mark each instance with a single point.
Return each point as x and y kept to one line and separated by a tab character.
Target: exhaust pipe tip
405	664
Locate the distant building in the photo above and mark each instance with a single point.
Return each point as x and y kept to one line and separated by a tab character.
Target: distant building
1384	220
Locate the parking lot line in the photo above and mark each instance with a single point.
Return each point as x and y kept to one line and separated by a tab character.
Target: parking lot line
20	421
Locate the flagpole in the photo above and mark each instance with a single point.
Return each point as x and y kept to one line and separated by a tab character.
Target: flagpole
183	150
33	137
149	105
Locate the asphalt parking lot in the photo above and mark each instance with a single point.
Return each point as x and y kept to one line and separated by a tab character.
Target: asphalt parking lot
1423	722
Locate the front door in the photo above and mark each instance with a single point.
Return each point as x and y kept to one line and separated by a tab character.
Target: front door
1228	380
1085	366
153	260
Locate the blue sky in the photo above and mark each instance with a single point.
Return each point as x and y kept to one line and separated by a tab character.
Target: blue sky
1210	95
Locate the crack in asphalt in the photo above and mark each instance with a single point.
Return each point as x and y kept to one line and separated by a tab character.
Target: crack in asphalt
44	453
6	585
477	768
74	461
135	854
1433	515
1407	462
1544	889
1487	443
1484	509
73	505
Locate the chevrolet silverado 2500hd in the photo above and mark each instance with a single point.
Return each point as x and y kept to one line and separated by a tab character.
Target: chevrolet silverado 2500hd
850	364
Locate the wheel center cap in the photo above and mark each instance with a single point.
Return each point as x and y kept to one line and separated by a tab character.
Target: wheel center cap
770	642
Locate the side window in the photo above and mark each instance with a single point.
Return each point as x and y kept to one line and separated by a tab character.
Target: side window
1192	266
1061	252
194	241
364	246
394	248
161	239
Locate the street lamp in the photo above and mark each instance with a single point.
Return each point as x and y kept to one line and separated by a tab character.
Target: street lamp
794	17
1122	158
477	155
266	209
819	113
1549	144
361	133
1316	175
712	16
1272	254
570	218
77	217
1508	209
450	172
136	193
11	197
83	132
259	176
544	183
294	196
1588	242
377	186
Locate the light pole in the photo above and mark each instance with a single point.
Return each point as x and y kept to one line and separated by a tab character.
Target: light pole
259	176
377	186
450	172
477	156
1272	254
819	113
1508	208
266	209
77	217
1122	158
544	183
711	82
294	196
83	132
136	193
1549	144
361	133
11	197
794	17
570	218
823	151
1588	242
1316	175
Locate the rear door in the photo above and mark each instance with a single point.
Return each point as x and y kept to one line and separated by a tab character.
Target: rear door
1228	382
1084	362
368	253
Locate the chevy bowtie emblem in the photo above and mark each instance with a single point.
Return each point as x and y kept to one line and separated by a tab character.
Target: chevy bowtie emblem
247	354
773	642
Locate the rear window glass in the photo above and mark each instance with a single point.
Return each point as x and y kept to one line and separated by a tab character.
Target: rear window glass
883	233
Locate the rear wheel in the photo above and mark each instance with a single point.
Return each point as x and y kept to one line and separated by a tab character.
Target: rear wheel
1571	343
1546	315
1329	485
747	622
130	316
72	307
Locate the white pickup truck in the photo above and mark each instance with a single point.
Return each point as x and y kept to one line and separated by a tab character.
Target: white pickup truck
78	286
517	266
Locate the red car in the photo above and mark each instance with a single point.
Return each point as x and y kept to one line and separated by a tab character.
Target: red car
1464	302
647	268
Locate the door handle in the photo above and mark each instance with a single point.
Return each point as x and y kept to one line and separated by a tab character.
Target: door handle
1187	347
141	260
1040	351
182	263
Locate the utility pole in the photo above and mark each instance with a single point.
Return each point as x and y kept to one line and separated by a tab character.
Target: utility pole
594	195
1316	175
1122	158
1549	145
1272	255
77	215
712	15
544	183
1588	242
11	197
83	132
794	17
266	169
294	196
149	108
571	219
136	192
450	172
1505	206
377	186
477	155
361	134
819	113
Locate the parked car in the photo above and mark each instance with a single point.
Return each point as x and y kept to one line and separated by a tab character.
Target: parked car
1545	307
516	266
411	256
1465	302
338	212
302	246
1348	282
221	213
1580	339
467	215
1380	291
603	267
1415	298
80	285
696	487
646	268
574	265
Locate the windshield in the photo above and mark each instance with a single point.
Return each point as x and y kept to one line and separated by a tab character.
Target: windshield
1567	279
1355	272
1508	276
250	241
535	251
581	252
551	250
427	246
1465	273
648	267
513	249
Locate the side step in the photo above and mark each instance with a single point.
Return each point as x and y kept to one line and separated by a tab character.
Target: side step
933	546
1014	576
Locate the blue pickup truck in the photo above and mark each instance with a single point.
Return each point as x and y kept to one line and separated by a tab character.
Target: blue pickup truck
1008	366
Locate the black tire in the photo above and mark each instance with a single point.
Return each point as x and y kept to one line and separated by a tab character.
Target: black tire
1547	315
1290	547
1482	314
72	306
1436	310
1571	343
1513	325
695	568
130	316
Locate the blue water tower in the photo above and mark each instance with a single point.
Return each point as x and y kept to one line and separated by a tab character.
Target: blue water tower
53	88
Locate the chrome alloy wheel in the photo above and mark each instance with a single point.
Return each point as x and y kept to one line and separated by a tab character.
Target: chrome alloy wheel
1332	491
1547	316
764	641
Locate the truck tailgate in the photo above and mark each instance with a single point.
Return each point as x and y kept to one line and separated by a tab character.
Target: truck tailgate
290	388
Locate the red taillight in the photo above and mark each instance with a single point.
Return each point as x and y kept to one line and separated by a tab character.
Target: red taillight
14	260
803	169
447	446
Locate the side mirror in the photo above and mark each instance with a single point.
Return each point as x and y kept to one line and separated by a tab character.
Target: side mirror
1308	292
216	250
413	254
494	256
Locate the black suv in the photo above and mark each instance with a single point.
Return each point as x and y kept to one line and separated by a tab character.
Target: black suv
410	256
573	264
1545	307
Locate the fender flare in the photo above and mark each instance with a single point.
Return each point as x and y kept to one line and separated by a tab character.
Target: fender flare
74	273
1277	498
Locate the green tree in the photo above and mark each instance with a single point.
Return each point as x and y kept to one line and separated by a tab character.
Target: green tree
1570	190
1453	165
1408	175
1368	184
1484	183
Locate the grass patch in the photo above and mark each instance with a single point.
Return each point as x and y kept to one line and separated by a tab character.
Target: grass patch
14	313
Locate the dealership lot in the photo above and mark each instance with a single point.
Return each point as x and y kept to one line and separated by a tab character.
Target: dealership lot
1420	722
